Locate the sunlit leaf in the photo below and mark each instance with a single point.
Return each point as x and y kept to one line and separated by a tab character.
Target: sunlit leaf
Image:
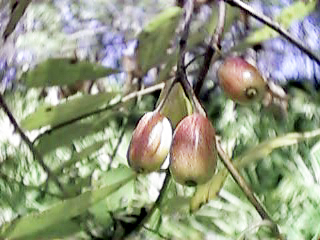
59	230
65	135
211	189
181	229
117	200
71	109
84	153
63	210
297	11
177	105
155	38
315	160
64	71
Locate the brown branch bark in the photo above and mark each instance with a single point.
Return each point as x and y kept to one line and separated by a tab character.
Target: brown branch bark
214	46
246	189
275	26
34	151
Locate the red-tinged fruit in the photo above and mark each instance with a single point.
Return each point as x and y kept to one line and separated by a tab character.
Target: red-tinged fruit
193	155
150	143
241	81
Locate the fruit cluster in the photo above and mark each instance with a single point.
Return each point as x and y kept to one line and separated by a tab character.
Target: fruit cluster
192	147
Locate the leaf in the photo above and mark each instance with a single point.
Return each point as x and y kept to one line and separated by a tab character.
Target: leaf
155	38
18	8
60	230
71	109
64	71
64	136
177	105
63	210
211	189
84	153
296	11
315	160
119	199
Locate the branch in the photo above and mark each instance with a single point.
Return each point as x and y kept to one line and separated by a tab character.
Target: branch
213	46
245	188
181	75
34	151
275	26
106	108
156	204
115	150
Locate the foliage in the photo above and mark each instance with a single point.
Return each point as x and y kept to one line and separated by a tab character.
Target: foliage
84	140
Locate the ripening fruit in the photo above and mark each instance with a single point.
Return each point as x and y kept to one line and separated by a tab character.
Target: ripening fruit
193	156
150	143
241	81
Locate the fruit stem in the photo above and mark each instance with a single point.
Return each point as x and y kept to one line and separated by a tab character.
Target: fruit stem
246	189
181	75
213	50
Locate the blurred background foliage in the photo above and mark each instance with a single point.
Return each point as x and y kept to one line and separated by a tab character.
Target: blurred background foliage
58	44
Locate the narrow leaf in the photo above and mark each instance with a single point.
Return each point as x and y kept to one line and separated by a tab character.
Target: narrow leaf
71	109
155	38
211	189
84	153
296	11
64	136
64	210
177	105
64	71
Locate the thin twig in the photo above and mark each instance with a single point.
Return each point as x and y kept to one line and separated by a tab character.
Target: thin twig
181	75
106	108
275	26
245	188
34	151
156	204
213	47
115	150
194	59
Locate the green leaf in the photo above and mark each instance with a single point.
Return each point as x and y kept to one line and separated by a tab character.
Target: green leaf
84	153
315	160
64	71
120	198
71	109
296	11
64	136
177	105
210	190
17	10
57	231
155	38
63	210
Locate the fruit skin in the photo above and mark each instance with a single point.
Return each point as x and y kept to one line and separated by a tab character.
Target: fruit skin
241	81
150	143
193	155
